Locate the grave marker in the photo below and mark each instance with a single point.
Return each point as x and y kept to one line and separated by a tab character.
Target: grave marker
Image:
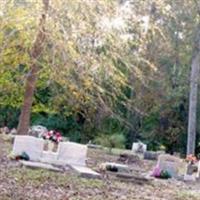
72	153
139	147
170	164
30	145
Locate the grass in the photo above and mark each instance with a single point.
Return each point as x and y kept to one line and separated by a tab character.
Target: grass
187	195
37	177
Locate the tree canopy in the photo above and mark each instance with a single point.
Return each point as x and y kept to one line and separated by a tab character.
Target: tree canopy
107	67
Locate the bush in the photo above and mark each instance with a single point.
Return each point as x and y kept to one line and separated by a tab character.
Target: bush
9	116
111	141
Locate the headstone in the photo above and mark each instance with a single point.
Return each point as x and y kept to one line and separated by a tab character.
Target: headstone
189	175
30	145
13	131
170	164
139	147
198	171
177	154
4	130
37	131
72	153
190	169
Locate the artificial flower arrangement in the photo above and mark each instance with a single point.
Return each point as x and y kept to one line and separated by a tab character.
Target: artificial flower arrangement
53	136
52	139
192	164
191	159
158	173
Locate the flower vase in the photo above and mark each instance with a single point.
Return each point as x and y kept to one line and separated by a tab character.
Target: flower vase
50	146
46	145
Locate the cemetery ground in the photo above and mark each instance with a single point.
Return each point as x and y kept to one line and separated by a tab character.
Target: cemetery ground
20	183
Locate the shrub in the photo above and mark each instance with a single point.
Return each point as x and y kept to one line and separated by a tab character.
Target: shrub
111	141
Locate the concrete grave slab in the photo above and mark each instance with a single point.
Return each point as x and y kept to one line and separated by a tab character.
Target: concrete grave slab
189	177
85	172
35	165
29	144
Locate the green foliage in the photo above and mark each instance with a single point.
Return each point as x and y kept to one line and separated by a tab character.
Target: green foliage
9	116
107	71
68	126
166	127
111	141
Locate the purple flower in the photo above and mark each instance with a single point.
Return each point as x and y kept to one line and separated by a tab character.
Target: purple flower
156	172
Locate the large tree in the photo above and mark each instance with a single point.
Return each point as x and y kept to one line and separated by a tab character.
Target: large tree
35	53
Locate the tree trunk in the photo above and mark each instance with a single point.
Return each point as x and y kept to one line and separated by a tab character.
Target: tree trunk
35	53
193	95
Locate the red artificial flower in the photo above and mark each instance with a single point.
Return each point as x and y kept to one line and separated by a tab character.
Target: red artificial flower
53	135
191	158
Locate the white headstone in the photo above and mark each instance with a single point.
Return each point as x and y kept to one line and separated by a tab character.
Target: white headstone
72	153
139	147
31	145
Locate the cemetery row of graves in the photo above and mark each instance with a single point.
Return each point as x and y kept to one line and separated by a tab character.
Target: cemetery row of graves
48	149
137	166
